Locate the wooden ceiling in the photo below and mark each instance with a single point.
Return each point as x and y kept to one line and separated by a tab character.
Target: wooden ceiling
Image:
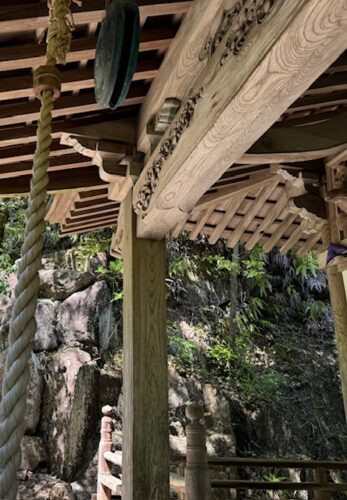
258	215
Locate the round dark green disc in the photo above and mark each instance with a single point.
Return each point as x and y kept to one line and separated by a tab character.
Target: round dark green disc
116	53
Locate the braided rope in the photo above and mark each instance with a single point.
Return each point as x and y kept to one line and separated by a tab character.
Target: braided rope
23	324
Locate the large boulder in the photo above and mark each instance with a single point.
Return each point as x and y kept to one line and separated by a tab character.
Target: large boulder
33	453
71	416
33	408
44	487
60	284
86	317
46	317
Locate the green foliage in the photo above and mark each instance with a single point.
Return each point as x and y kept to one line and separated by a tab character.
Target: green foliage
114	275
185	349
90	245
306	266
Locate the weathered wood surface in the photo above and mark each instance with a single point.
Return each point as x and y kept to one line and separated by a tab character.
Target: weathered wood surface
145	411
240	97
182	65
197	477
34	16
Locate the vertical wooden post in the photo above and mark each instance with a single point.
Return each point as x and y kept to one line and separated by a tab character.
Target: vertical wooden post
337	293
145	412
320	476
104	468
197	480
339	307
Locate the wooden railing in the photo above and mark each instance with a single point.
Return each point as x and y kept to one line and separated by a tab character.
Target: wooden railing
196	483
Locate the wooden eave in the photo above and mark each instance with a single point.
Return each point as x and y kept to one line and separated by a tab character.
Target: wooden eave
170	65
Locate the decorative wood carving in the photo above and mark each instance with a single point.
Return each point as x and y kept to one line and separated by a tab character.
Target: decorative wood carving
239	21
166	149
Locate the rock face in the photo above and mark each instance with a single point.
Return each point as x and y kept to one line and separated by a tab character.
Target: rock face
67	388
46	318
60	284
70	403
85	317
33	452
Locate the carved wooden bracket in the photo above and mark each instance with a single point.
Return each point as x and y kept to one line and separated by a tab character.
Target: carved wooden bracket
168	145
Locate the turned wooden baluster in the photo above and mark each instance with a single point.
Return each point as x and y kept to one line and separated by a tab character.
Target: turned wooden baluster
197	478
321	478
104	467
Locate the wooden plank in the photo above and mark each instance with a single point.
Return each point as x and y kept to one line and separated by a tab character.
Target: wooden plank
60	205
260	200
145	422
65	105
33	55
78	179
96	227
238	97
277	235
240	484
272	215
236	189
57	164
292	240
15	87
309	244
181	66
110	126
88	219
233	206
34	16
25	152
200	223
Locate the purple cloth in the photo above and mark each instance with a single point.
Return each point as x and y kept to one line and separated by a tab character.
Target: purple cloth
335	250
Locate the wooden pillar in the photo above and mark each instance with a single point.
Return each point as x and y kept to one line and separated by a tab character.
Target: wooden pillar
197	478
337	291
339	307
104	468
145	411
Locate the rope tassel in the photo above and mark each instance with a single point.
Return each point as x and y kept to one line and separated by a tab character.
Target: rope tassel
23	324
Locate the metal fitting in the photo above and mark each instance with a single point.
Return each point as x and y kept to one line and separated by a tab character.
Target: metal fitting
47	78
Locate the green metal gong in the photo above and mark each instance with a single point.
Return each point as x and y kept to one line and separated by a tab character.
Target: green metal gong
116	53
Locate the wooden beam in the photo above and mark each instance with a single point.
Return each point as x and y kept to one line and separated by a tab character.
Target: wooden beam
96	227
66	105
181	66
34	16
259	202
32	55
57	164
15	87
240	94
106	127
274	212
78	179
145	423
239	188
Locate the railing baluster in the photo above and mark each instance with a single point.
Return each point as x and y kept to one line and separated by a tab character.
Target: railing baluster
320	476
197	478
104	467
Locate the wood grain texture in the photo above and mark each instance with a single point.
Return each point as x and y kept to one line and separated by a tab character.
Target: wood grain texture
338	302
242	99
15	18
145	417
181	66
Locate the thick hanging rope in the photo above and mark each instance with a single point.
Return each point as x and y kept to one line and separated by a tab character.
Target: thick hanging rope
23	325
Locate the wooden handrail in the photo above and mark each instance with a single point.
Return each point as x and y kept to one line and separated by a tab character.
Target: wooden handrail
114	457
196	484
240	484
264	462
